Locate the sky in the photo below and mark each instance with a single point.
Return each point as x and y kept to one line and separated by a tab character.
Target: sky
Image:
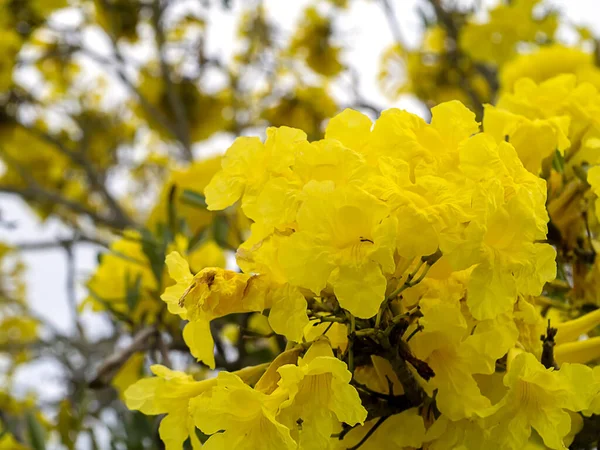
366	29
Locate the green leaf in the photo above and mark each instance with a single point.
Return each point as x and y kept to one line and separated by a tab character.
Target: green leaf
35	432
132	296
193	198
155	251
197	239
172	210
221	230
558	162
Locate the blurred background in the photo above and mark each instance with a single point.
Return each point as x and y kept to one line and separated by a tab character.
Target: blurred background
112	112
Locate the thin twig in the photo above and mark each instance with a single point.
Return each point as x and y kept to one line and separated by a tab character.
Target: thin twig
70	288
181	120
36	193
96	180
390	15
59	243
369	433
111	365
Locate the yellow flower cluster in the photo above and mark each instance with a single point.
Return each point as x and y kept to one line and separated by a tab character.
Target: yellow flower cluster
431	72
495	40
313	41
332	214
423	239
313	392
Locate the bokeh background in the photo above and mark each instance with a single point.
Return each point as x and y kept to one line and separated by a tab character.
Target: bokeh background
365	30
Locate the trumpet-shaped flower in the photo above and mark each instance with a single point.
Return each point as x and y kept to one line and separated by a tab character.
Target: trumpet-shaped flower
320	397
539	398
248	165
455	352
169	393
345	237
240	418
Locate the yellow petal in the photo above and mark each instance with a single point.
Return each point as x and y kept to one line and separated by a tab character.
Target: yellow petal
198	338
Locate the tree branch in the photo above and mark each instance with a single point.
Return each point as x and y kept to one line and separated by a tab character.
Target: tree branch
96	181
182	126
390	15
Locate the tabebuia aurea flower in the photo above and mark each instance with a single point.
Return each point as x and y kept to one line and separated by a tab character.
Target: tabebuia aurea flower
418	252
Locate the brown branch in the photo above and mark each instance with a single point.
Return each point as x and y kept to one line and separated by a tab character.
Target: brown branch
111	365
455	55
119	71
38	194
548	344
369	433
59	243
181	122
393	23
96	180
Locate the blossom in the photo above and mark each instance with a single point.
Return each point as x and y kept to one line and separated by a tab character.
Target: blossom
169	392
547	62
238	417
345	237
313	42
539	398
495	41
320	397
248	164
456	351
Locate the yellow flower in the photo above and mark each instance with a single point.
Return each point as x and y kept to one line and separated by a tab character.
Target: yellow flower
8	442
123	269
194	178
129	373
313	42
238	417
247	166
583	352
305	107
320	397
571	330
511	204
531	326
548	62
431	72
534	140
464	434
417	176
456	351
337	333
594	179
351	128
345	237
18	329
539	398
495	41
214	292
170	393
